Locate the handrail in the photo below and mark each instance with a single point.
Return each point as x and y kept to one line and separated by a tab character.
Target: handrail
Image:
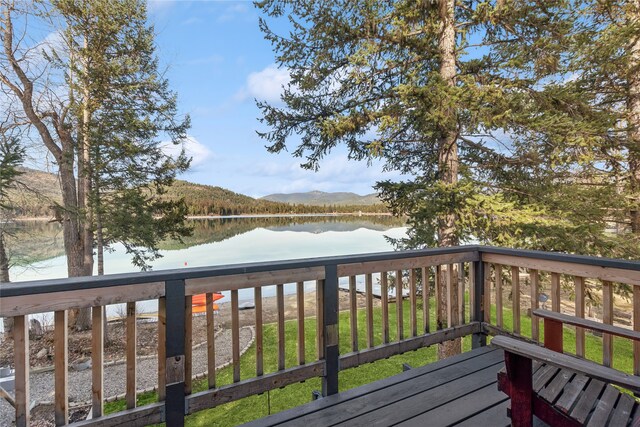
110	280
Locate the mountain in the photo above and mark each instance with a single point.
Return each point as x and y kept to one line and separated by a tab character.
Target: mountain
321	198
40	190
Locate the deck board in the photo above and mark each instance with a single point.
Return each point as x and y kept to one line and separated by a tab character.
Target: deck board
442	393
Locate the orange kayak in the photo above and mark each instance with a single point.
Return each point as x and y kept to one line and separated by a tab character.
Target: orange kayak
199	302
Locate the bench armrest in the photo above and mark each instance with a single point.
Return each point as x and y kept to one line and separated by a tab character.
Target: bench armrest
560	360
587	324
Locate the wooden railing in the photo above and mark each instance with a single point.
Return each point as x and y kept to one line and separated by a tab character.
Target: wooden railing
469	295
563	281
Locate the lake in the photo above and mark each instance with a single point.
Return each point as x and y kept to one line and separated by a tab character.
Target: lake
37	250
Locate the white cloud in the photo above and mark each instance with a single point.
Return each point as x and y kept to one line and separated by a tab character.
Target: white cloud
265	85
199	152
159	5
336	173
192	21
232	12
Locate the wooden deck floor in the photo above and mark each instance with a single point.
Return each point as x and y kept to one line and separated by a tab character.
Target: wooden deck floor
459	391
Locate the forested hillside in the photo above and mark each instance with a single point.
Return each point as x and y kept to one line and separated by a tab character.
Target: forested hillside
40	191
209	200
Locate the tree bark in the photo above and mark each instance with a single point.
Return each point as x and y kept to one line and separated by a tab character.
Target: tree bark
448	175
633	107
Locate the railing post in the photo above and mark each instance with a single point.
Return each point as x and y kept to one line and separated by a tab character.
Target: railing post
175	354
330	326
478	339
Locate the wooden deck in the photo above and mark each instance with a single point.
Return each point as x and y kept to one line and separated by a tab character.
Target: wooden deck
460	390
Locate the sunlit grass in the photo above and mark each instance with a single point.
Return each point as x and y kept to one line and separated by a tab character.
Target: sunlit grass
259	406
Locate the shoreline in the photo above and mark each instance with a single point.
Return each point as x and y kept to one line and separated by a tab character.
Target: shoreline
333	214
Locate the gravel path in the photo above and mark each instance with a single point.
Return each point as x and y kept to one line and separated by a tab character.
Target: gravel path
42	383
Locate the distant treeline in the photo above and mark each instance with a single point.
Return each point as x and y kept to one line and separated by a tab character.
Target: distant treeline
201	200
205	200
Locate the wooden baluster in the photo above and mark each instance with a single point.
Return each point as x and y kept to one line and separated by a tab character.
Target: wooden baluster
555	292
535	322
438	297
235	335
162	349
413	302
368	280
21	361
188	344
320	319
487	293
447	271
454	306
353	315
579	285
426	287
280	305
472	294
97	361
130	396
399	307
477	287
498	274
607	318
636	327
461	295
61	368
211	342
384	295
257	296
300	297
515	296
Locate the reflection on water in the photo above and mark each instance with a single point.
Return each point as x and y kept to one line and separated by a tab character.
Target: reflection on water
37	247
219	229
217	242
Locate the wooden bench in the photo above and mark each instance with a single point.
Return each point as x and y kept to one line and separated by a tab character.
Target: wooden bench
565	390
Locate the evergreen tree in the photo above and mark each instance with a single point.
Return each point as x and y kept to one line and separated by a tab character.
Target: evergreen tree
11	157
445	91
105	136
126	105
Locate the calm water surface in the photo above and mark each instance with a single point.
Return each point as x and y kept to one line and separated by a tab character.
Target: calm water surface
38	251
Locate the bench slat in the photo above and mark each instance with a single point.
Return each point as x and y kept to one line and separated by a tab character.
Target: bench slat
543	377
571	393
551	392
622	412
604	407
583	408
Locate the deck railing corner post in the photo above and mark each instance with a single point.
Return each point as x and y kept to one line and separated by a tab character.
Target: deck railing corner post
330	325
479	339
175	406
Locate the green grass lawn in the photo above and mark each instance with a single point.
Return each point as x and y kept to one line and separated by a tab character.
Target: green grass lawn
259	406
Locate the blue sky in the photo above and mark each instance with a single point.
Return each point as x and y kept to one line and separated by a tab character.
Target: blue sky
218	62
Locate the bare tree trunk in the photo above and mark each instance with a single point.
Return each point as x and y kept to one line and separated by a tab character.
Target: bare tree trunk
633	107
4	278
448	175
83	316
64	154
